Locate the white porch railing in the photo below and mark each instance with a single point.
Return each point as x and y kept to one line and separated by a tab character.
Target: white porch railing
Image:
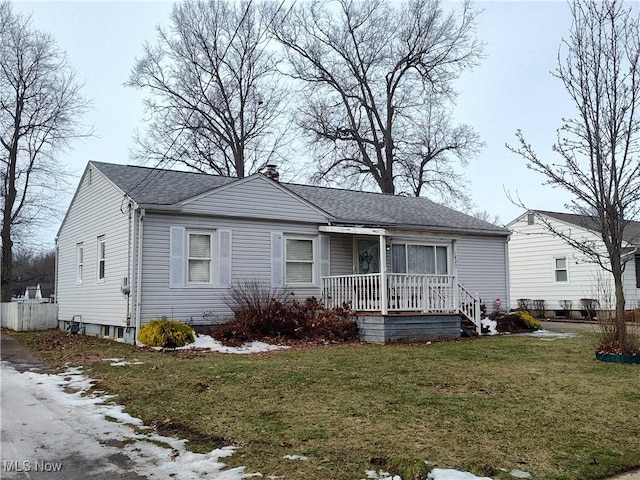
405	293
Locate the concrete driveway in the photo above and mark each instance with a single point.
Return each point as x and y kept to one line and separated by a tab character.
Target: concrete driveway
40	436
52	430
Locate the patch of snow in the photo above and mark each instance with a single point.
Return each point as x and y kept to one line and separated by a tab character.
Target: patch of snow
121	362
490	325
206	342
84	424
520	474
381	475
295	457
450	474
548	335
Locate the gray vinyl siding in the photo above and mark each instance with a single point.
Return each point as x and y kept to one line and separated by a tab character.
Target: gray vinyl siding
341	255
255	198
250	260
482	267
95	211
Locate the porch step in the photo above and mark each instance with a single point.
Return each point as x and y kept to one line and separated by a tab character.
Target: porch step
467	327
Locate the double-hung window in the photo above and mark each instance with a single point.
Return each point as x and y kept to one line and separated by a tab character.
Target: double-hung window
100	267
79	262
299	263
199	258
561	274
419	259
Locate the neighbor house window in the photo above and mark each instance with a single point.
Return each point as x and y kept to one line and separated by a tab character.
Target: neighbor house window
419	259
101	258
561	274
299	265
637	271
79	262
200	247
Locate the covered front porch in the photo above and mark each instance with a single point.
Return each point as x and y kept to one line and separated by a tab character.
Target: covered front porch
391	293
382	286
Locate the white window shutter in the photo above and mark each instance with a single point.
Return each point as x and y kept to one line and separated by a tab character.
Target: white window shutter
177	264
325	269
224	258
277	259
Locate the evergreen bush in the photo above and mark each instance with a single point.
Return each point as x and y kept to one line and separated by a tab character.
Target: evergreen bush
166	334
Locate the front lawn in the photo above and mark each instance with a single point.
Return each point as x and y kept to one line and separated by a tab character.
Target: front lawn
488	405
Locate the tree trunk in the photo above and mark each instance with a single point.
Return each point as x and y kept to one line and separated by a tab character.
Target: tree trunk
11	194
620	326
7	261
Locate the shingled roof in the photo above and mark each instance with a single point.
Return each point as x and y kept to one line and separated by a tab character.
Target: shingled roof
169	187
631	232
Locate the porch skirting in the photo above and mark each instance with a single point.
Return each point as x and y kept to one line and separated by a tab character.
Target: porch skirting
376	328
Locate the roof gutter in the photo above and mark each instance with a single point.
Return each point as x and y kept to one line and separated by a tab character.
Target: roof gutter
160	208
420	228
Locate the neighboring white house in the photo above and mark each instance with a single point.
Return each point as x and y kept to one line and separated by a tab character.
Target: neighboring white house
139	243
544	267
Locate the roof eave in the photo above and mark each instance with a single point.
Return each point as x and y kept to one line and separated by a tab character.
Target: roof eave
426	228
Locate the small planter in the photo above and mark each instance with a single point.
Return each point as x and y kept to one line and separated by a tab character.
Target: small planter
617	358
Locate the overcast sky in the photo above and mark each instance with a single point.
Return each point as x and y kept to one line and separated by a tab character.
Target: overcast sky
512	88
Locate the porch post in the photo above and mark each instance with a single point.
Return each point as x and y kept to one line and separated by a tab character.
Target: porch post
456	299
383	275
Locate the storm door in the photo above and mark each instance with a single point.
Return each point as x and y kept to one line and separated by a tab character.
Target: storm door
368	251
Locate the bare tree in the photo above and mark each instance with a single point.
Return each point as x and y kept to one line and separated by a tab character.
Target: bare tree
485	216
599	148
31	268
377	83
40	112
214	98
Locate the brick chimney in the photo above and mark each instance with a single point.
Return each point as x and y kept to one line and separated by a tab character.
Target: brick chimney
272	173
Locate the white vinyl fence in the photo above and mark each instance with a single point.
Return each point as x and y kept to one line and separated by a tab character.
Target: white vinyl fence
28	316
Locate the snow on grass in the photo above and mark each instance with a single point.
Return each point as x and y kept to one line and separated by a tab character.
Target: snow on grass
121	362
547	335
205	342
520	474
296	457
381	475
450	474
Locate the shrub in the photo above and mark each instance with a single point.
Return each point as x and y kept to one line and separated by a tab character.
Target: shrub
524	304
526	320
539	308
517	321
263	312
166	333
589	307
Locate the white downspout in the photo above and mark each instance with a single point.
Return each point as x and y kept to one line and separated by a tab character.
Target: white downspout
139	272
383	275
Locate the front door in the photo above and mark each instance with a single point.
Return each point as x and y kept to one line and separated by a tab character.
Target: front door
368	251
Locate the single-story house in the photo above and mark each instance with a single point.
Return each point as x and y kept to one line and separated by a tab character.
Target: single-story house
543	267
140	243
